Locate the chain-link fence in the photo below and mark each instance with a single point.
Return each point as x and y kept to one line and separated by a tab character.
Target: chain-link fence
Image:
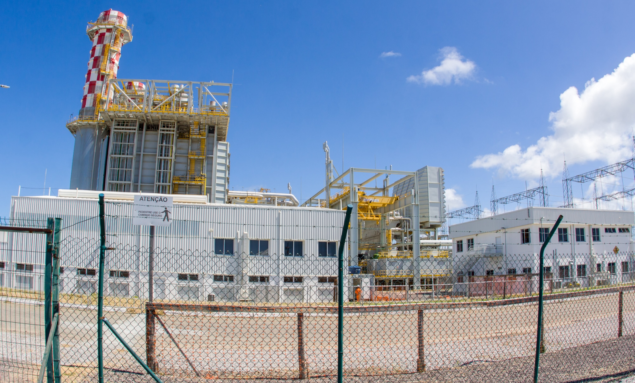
261	302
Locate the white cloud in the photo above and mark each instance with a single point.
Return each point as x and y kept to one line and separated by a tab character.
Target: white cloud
453	68
453	200
591	126
389	54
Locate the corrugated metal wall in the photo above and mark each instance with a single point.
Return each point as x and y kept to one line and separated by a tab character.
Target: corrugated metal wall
187	245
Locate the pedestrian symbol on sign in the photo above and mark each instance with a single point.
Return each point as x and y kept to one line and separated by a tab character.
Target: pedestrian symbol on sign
166	214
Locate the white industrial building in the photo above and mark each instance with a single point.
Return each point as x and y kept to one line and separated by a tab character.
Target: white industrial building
590	247
219	252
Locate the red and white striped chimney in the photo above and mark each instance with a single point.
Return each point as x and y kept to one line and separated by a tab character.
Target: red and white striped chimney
108	34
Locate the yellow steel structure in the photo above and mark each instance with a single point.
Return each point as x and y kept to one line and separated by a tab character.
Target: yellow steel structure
367	205
195	157
405	254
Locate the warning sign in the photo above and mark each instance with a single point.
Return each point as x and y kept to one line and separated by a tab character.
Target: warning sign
152	210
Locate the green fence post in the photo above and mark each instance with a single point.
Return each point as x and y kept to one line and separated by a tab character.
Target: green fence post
48	309
55	298
100	296
340	297
540	293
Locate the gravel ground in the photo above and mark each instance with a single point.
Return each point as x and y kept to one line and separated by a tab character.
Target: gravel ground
608	361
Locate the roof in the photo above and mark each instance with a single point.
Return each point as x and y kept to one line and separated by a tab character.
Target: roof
544	215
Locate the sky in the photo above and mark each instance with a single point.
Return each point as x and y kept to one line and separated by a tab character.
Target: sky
491	91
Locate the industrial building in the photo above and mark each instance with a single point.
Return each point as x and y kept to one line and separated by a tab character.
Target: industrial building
170	137
591	247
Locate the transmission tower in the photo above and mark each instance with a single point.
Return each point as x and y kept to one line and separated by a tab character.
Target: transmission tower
493	204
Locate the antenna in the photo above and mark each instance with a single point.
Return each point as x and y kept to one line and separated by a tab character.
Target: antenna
477	205
493	202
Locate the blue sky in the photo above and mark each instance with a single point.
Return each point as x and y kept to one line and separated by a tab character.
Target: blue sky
308	72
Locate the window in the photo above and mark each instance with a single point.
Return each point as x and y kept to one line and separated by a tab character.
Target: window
524	236
547	269
1	265
598	268
611	267
258	279
470	244
188	277
595	233
470	273
24	282
610	230
511	271
581	270
544	233
224	246
258	247
625	267
24	267
327	249
293	248
90	272
563	235
293	279
459	246
61	270
330	280
526	270
563	272
579	234
223	278
119	274
489	272
624	230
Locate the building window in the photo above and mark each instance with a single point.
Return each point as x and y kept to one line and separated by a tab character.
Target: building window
624	230
329	280
470	244
327	249
544	233
563	235
24	267
258	279
471	273
489	272
598	268
224	278
258	247
547	271
563	272
581	270
579	234
224	246
292	279
90	272
526	270
595	233
459	246
625	267
188	277
611	267
293	248
610	230
119	274
2	264
511	271
524	236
